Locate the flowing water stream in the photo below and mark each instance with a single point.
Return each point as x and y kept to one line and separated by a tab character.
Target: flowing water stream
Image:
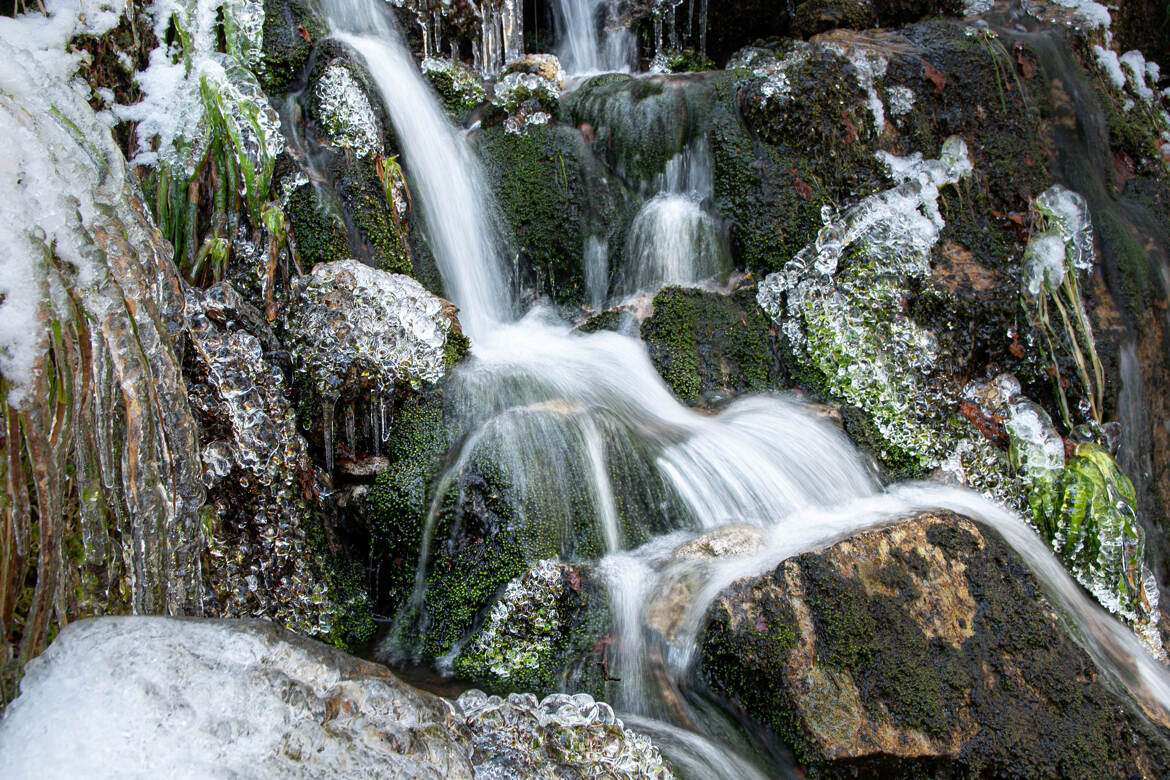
571	417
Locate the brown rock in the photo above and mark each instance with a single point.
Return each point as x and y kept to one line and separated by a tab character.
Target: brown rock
923	648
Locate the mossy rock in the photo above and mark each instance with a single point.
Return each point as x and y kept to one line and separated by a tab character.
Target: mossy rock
923	649
315	219
709	346
379	236
400	499
640	123
817	16
332	53
286	49
553	193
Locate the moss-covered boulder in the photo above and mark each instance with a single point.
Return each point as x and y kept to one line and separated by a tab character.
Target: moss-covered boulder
290	29
923	649
815	16
543	633
711	346
554	194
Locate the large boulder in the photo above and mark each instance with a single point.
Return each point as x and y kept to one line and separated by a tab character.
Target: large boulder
923	648
164	696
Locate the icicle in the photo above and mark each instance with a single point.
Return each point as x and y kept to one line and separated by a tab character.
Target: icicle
374	432
703	26
382	412
657	35
671	20
350	429
327	427
512	22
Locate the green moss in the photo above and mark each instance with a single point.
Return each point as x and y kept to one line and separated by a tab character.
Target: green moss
540	179
286	50
457	347
688	61
364	197
457	86
703	342
400	499
317	227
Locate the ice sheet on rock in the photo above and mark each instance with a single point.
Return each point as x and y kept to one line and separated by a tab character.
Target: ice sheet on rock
522	737
115	697
345	112
354	327
163	697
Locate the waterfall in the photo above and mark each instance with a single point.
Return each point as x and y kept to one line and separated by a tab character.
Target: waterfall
581	48
674	238
574	419
445	177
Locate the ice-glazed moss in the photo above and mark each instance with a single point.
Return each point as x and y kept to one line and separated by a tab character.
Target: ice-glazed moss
515	644
840	307
344	112
456	84
681	61
706	343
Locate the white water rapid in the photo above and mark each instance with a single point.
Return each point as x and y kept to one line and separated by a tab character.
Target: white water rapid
572	418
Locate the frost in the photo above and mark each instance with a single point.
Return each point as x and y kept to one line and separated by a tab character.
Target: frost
1136	64
345	112
1108	62
900	100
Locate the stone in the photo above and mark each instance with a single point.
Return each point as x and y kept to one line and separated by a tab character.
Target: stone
924	647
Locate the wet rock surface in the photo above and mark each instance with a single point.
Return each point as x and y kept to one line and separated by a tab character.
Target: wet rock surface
922	649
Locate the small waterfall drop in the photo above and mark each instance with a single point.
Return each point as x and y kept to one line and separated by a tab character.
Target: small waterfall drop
444	173
674	238
586	45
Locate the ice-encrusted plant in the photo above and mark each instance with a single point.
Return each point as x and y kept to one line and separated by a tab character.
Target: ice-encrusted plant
207	129
839	306
1060	250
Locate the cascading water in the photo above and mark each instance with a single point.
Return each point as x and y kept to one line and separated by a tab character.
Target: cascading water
582	50
571	419
674	238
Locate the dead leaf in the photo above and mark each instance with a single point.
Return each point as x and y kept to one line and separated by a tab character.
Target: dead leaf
850	130
802	189
934	76
301	31
1026	63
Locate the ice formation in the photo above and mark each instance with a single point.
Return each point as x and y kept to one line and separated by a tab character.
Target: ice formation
355	327
345	112
179	698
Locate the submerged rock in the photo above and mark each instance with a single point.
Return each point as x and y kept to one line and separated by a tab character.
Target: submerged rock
922	648
162	696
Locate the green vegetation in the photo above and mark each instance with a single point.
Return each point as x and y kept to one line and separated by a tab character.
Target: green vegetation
704	342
